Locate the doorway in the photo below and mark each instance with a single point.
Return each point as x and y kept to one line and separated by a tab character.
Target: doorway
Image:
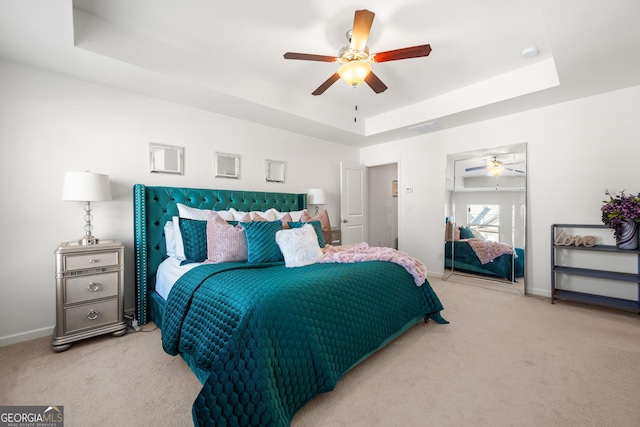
382	204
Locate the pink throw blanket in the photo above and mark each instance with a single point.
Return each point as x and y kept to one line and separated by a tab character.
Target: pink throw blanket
488	251
361	252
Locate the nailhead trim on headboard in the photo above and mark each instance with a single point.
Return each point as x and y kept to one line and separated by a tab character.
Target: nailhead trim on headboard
154	206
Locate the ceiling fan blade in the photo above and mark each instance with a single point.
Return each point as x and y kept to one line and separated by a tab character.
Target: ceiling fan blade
404	53
310	57
362	22
324	86
375	83
515	170
477	168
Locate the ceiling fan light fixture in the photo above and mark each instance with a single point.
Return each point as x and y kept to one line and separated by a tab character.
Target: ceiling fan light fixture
495	169
354	72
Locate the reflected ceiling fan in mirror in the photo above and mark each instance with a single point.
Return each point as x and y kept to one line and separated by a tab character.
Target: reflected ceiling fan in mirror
355	59
495	167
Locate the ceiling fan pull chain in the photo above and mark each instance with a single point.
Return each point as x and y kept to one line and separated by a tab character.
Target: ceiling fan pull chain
355	102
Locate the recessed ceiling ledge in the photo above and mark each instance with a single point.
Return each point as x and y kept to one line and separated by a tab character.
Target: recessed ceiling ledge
523	81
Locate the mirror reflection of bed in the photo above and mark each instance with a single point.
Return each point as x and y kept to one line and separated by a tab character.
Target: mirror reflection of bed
485	218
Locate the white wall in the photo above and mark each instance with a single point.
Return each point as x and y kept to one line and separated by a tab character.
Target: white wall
50	124
575	151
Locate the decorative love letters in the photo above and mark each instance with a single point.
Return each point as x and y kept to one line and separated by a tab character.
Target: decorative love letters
563	239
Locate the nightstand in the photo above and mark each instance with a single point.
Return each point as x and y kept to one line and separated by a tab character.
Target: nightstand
336	236
89	292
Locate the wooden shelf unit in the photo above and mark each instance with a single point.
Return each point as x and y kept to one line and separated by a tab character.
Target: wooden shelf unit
587	298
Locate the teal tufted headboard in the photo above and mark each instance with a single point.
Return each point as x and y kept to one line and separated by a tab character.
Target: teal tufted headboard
154	206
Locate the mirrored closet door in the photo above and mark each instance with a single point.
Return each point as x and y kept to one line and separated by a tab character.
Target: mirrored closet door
485	215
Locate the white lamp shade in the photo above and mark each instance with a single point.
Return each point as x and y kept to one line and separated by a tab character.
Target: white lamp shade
317	196
86	187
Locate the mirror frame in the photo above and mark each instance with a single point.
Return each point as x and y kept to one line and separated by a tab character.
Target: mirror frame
518	185
158	158
226	165
274	170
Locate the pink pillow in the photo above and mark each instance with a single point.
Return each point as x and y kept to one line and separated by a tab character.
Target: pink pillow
225	243
258	218
285	220
323	217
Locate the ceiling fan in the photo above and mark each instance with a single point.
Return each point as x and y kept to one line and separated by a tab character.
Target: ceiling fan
355	59
495	167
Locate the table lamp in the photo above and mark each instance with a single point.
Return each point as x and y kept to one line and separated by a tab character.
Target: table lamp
86	187
317	196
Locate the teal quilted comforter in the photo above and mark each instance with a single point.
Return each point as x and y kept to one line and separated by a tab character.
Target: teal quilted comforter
271	338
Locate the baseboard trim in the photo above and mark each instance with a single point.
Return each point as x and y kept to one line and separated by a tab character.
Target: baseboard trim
26	336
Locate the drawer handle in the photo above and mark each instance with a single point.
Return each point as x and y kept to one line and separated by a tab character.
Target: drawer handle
93	287
93	261
92	315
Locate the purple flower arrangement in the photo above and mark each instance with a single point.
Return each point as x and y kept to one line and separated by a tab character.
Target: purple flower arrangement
618	208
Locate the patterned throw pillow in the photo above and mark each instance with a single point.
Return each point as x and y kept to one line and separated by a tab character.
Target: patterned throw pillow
261	241
317	227
194	239
225	243
465	233
323	217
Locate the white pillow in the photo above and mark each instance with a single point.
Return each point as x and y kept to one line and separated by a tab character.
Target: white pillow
295	215
299	246
268	215
237	215
170	238
178	238
201	214
226	215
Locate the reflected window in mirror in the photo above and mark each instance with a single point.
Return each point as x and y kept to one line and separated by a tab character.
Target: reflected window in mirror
485	221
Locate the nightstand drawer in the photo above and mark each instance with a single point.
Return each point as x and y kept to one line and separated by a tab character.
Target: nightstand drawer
91	260
90	287
90	315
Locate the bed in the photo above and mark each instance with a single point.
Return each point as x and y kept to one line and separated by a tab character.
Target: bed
460	255
263	337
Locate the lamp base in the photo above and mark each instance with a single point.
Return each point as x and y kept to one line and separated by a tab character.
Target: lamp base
88	240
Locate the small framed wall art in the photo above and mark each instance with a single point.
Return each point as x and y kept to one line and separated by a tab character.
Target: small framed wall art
274	171
226	165
166	158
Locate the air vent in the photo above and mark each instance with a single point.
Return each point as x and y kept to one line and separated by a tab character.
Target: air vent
425	127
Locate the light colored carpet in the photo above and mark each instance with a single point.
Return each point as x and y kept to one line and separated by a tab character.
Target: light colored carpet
504	360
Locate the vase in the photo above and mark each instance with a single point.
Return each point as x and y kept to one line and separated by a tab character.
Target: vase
628	238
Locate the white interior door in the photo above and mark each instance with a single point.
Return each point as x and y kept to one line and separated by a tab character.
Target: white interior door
353	195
